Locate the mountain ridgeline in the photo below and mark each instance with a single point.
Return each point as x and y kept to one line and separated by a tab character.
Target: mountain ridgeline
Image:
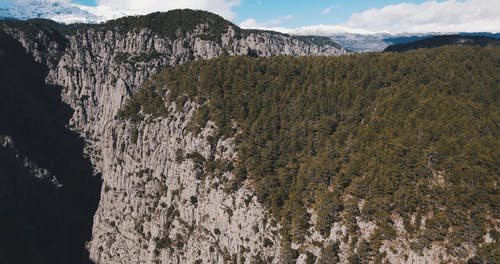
409	137
62	86
172	25
48	194
439	41
217	144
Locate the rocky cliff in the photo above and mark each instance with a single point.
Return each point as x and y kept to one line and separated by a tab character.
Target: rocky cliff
164	196
48	192
157	204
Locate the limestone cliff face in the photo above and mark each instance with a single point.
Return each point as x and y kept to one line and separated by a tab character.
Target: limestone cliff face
48	192
158	202
161	204
163	197
100	69
161	200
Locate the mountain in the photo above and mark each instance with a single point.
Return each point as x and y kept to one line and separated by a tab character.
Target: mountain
361	42
48	192
438	41
55	10
364	41
351	161
60	11
356	40
222	145
58	106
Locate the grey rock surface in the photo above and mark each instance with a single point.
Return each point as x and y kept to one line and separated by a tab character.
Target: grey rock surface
157	204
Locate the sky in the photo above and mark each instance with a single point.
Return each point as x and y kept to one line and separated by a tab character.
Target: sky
358	16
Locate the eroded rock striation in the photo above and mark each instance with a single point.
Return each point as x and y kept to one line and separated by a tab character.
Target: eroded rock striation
164	196
157	204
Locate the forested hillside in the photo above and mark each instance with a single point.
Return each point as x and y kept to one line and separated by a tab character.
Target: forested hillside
373	137
439	41
173	24
62	87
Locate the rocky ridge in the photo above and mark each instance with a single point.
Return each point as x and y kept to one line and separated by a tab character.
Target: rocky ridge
161	200
154	205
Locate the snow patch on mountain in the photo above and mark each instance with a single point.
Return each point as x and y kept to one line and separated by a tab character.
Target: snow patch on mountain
60	11
325	30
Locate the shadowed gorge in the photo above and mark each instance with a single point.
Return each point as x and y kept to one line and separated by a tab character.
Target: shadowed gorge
41	222
217	144
96	68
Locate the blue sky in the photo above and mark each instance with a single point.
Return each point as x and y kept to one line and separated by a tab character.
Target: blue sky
322	17
299	12
306	12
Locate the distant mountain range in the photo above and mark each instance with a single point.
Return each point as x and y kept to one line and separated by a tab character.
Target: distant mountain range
156	138
380	41
355	40
438	41
59	11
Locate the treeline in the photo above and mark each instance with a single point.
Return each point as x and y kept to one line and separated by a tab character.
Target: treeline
357	137
173	24
439	41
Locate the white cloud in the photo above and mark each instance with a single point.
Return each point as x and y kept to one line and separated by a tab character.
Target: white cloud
327	30
27	1
431	16
320	30
67	11
251	23
272	24
327	10
220	7
104	13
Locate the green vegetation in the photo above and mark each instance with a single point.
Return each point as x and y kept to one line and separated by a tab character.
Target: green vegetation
148	100
314	40
318	40
329	254
438	41
412	134
31	28
173	24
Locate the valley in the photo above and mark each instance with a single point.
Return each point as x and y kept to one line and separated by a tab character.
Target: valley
180	137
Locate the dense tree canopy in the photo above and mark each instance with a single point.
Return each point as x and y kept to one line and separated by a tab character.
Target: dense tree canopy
173	24
439	41
413	134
